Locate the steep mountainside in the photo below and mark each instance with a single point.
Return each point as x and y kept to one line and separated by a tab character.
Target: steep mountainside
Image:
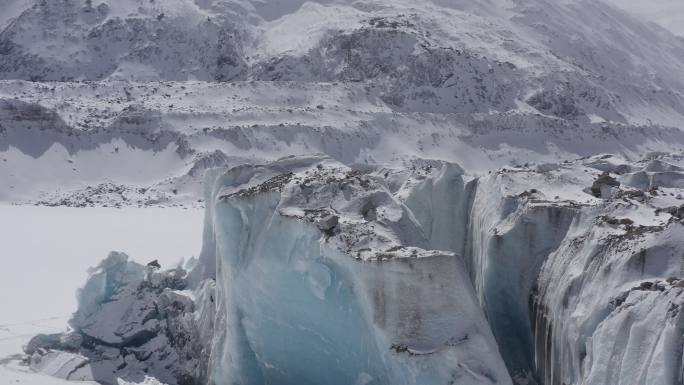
570	59
483	83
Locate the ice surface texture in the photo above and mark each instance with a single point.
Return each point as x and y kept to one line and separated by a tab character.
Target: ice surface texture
371	264
304	299
316	272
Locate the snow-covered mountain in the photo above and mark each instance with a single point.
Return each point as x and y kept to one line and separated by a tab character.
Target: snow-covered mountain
396	192
568	58
342	78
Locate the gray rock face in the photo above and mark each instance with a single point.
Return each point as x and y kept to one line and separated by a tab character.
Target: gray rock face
327	224
148	47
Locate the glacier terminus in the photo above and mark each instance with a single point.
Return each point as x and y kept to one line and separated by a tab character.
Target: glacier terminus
393	192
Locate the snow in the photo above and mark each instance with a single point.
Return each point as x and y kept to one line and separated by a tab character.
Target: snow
11	9
48	250
667	13
154	154
495	195
498	52
47	240
277	35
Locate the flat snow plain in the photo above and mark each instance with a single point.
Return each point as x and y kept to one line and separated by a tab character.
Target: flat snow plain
45	252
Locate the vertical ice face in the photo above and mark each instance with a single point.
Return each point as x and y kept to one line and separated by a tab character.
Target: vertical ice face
317	283
608	310
509	236
313	272
582	287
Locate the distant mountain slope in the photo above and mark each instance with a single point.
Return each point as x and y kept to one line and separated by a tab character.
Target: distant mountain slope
571	59
485	84
667	13
123	143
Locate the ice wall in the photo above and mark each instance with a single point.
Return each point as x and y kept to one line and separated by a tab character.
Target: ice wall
581	289
608	310
509	236
313	272
304	302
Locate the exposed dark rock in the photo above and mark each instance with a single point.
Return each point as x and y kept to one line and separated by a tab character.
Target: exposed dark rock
603	185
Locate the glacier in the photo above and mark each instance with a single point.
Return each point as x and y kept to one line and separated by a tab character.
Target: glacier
395	192
317	272
300	283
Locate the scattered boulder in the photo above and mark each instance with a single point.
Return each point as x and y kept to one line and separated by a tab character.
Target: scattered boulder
547	167
616	221
155	264
328	223
604	186
637	195
675	211
528	193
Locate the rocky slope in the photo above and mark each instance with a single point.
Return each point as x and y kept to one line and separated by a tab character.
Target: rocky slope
119	143
439	57
484	84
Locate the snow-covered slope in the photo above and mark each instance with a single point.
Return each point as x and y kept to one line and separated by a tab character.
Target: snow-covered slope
569	58
363	70
485	84
119	143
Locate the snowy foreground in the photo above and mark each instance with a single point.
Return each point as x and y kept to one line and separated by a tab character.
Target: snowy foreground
314	272
51	249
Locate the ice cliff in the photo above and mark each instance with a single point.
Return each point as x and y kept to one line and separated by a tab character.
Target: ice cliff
330	279
317	272
459	227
